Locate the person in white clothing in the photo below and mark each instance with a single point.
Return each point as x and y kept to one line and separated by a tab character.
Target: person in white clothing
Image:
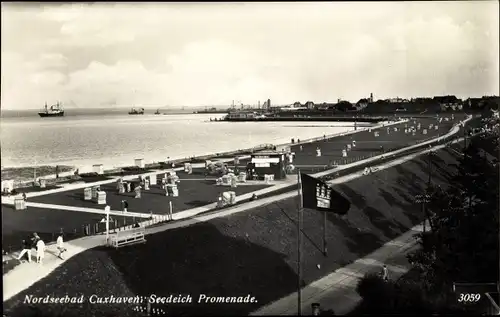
40	251
385	275
60	246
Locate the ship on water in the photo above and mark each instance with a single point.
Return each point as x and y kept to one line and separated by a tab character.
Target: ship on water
136	111
54	111
157	111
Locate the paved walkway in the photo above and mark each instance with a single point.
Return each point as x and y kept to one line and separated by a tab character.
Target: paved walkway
91	210
23	276
337	290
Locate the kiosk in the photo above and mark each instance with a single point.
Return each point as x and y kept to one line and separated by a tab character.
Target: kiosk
268	162
139	163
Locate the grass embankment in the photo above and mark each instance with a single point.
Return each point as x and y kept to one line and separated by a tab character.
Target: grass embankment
27	173
252	252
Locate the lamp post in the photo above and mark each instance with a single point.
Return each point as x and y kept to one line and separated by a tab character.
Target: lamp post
429	167
423	199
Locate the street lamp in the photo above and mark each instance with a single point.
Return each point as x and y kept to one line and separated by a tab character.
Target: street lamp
423	199
429	167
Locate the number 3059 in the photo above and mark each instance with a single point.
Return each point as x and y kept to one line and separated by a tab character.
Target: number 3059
468	298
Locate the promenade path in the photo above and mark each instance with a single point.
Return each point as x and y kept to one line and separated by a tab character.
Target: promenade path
337	291
23	276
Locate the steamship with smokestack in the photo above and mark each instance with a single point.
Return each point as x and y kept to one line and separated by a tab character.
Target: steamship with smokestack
54	111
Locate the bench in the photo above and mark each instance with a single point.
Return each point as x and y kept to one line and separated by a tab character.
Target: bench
128	237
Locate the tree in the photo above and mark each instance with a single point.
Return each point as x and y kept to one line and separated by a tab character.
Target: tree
463	243
344	106
376	293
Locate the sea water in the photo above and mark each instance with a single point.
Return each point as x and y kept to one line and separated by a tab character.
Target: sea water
116	140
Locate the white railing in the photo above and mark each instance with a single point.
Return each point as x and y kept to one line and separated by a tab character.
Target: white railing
123	238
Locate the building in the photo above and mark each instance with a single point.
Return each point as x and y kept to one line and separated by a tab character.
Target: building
363	103
309	105
397	100
325	106
448	103
242	115
268	163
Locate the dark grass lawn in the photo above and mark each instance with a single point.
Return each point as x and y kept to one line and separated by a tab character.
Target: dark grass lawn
246	253
192	194
366	143
91	178
18	224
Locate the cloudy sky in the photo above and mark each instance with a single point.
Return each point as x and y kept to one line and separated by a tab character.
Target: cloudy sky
197	54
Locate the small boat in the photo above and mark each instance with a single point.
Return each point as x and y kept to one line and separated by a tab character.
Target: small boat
136	111
157	111
54	111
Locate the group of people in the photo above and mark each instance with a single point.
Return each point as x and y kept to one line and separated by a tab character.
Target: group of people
35	242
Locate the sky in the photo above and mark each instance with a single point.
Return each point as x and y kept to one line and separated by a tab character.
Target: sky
202	54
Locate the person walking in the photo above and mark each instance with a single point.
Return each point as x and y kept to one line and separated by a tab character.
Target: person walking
60	246
385	274
125	205
34	240
26	249
40	251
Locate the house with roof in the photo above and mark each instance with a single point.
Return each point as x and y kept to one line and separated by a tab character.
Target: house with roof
448	103
362	103
325	106
309	105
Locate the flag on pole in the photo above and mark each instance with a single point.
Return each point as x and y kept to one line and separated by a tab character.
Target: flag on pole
318	195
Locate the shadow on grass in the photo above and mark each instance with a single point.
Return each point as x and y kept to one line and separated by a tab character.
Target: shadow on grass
357	241
36	189
198	203
391	200
410	180
389	228
355	198
194	260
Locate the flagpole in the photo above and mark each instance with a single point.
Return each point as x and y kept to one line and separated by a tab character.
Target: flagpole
299	245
